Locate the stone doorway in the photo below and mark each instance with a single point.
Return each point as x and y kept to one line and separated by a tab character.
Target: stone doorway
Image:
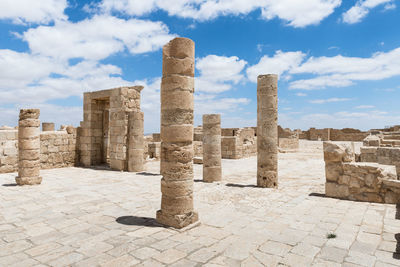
104	133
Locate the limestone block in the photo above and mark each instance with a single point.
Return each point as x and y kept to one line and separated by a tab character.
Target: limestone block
333	170
338	152
48	126
372	140
336	190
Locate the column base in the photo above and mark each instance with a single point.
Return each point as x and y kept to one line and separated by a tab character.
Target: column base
269	179
177	221
28	180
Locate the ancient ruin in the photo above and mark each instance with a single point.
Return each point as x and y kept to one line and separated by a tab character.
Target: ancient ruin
104	134
28	147
176	166
90	216
48	126
212	171
267	130
135	142
362	181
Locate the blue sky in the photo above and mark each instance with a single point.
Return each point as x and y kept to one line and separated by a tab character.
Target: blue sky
338	61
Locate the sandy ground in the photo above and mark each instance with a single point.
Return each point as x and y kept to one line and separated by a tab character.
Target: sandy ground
87	217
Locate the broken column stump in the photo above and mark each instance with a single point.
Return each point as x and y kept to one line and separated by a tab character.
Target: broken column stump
28	147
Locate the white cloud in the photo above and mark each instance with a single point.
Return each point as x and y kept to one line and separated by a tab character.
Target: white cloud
97	38
48	113
218	73
300	13
295	13
340	71
361	9
26	78
301	94
364	107
329	100
217	105
33	11
280	63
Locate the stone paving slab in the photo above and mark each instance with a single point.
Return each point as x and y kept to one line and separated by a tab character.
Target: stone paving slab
87	217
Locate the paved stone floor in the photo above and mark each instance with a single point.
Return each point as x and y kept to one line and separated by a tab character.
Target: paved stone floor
86	217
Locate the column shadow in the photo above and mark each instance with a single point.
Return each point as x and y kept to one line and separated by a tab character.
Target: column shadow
148	174
9	184
139	221
240	185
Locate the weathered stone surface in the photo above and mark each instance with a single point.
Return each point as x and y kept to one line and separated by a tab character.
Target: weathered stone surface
212	171
362	181
105	134
48	126
338	152
28	148
136	142
176	164
267	130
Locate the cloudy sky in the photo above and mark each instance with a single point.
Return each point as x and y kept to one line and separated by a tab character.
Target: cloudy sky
338	61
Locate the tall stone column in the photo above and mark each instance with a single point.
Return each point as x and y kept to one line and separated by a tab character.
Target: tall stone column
267	130
176	163
135	142
212	148
28	147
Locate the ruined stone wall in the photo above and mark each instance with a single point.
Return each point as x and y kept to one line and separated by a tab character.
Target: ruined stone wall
237	143
8	151
230	147
361	181
287	139
288	143
347	134
382	155
319	134
57	149
328	134
107	109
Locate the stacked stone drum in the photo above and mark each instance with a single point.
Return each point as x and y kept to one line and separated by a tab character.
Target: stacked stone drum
29	147
176	161
212	148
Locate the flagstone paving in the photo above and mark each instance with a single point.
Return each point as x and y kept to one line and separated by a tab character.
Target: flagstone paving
88	217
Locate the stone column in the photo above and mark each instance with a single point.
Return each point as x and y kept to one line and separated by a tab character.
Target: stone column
135	142
28	147
48	126
212	148
176	164
267	130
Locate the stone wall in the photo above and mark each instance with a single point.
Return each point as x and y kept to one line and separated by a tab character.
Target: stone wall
57	149
237	143
288	144
8	151
347	134
328	134
288	140
382	155
361	181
